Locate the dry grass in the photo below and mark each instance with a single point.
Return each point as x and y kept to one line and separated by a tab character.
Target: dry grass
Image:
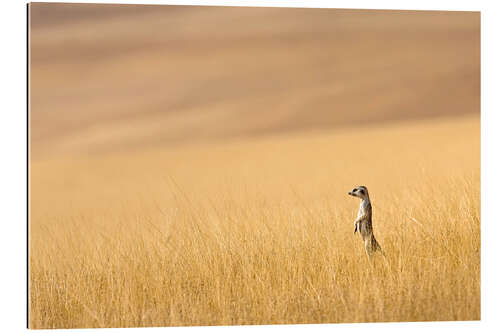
259	231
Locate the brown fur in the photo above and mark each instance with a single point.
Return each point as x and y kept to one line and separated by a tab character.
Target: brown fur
363	222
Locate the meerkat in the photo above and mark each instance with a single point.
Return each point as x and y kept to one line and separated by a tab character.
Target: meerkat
363	222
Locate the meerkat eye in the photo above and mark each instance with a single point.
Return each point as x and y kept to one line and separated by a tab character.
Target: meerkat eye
355	190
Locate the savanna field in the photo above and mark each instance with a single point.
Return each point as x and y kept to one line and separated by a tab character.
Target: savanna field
259	230
189	165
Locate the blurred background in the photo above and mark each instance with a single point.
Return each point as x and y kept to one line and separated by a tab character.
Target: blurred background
107	78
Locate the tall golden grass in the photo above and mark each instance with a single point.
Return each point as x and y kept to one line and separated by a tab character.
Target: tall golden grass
260	231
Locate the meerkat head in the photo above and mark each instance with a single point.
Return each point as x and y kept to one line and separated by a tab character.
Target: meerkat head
360	192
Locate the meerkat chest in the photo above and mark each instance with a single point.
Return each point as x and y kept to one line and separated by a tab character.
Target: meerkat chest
365	210
365	220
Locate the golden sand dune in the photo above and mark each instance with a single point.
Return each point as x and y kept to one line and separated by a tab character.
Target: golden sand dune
106	78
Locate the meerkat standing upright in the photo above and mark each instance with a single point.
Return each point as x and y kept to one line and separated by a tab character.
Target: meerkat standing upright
363	222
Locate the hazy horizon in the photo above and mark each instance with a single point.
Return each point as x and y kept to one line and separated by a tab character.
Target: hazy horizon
118	77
